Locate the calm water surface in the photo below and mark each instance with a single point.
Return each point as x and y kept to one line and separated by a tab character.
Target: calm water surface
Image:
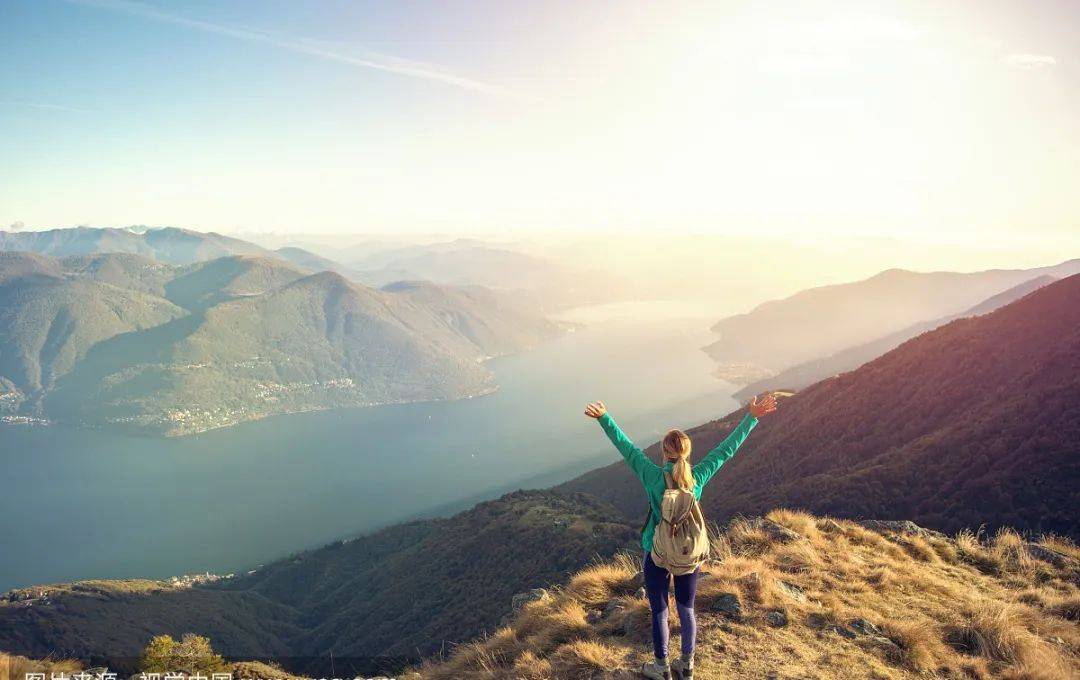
86	504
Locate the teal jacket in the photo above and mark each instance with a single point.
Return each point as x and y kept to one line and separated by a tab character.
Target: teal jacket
652	475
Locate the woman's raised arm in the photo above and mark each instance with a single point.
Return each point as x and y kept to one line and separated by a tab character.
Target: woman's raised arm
712	462
634	457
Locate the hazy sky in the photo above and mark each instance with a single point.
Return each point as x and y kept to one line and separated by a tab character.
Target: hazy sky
953	121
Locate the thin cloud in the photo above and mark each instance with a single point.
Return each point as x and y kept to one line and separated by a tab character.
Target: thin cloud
1030	60
403	67
49	107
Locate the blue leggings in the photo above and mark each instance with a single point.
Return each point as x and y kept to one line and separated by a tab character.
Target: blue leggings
656	585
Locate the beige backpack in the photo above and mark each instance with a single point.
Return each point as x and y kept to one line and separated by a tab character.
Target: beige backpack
681	540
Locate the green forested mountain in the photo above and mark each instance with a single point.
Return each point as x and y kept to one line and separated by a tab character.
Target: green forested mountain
402	591
50	321
123	340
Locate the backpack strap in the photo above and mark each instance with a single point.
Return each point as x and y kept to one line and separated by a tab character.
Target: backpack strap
648	520
697	512
669	483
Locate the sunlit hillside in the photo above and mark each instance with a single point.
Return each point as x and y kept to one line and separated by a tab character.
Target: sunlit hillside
796	596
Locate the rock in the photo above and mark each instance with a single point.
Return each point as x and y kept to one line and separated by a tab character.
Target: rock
776	618
727	604
521	599
614	606
594	616
887	647
830	526
776	532
791	590
632	625
903	526
864	627
843	632
1041	552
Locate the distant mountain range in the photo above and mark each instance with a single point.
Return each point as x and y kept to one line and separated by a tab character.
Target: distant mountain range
169	245
473	262
816	324
462	262
122	340
972	423
807	373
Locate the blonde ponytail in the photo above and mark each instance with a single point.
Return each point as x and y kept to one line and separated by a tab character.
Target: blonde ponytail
676	448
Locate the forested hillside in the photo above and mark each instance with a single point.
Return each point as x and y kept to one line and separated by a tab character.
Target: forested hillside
973	423
402	591
118	339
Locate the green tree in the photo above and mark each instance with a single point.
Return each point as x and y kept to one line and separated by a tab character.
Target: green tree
157	656
193	654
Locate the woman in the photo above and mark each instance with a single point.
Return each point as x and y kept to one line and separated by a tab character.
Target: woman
676	450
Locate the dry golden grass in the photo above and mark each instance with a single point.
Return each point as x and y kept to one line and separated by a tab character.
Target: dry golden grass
584	659
841	602
16	667
800	522
600	583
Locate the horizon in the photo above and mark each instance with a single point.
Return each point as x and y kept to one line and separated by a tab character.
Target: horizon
890	120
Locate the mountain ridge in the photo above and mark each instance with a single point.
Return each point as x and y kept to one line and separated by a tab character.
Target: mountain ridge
805	374
820	321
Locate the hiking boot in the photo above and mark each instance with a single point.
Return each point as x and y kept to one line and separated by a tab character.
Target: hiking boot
681	670
655	671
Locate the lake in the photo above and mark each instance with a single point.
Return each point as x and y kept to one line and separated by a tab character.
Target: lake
81	504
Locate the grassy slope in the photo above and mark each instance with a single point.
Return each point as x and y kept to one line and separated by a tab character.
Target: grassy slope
834	600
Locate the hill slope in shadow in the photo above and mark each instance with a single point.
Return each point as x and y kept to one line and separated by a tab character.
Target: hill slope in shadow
403	591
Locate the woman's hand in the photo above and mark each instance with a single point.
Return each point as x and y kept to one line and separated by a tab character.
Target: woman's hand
763	407
595	409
